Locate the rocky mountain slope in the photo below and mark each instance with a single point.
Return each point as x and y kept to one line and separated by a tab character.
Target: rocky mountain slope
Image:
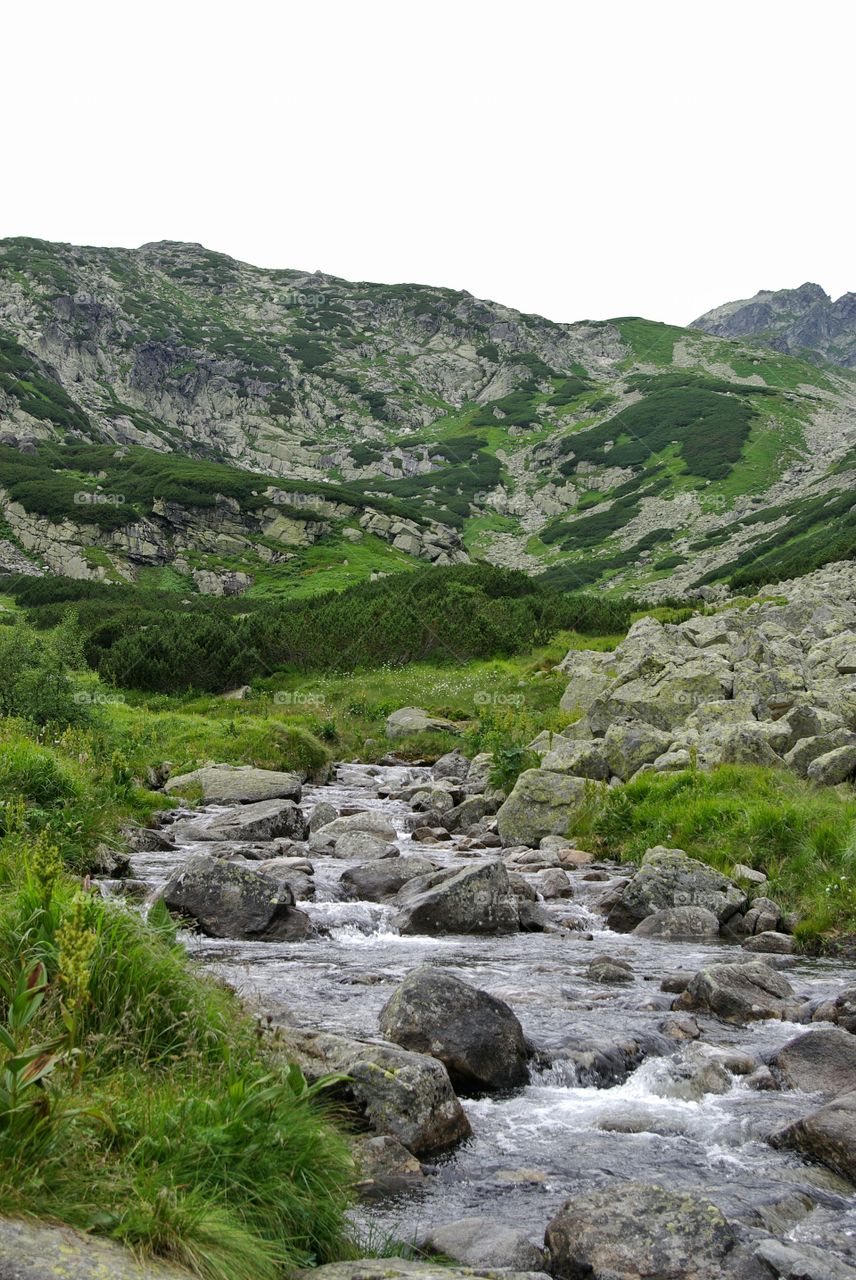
171	414
804	322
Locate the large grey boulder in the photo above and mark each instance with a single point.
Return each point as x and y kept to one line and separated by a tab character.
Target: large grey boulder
483	1242
629	746
583	759
827	1135
407	721
386	1167
362	846
31	1250
476	1036
381	880
807	750
670	878
407	1095
369	820
266	820
835	766
236	784
821	1061
234	900
452	765
740	993
542	803
407	1269
675	923
478	899
636	1231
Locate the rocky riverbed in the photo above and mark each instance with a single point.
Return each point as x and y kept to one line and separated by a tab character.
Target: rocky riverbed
636	1076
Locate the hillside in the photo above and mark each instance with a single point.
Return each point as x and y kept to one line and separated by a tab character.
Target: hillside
805	322
173	416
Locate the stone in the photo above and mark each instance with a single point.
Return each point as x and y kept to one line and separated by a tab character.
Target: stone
807	750
541	803
32	1250
770	941
820	1061
636	1231
478	899
845	1009
295	872
407	721
265	820
791	1261
370	820
483	1242
748	874
231	900
363	846
630	746
835	766
679	922
827	1135
321	814
386	1167
407	1095
236	784
476	1036
609	969
452	765
406	1269
379	881
740	993
554	883
670	878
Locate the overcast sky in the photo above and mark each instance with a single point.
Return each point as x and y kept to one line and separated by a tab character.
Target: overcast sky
577	160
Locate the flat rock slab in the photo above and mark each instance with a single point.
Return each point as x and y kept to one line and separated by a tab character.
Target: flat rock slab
404	1269
35	1251
236	784
266	820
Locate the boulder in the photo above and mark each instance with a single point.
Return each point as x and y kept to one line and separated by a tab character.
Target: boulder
769	940
231	900
407	1269
635	1231
407	1095
542	803
630	746
679	922
670	878
363	846
807	750
554	883
379	881
833	767
821	1061
452	765
476	1036
583	759
827	1135
31	1250
407	721
740	993
321	814
236	784
295	872
609	969
266	820
483	1242
371	821
845	1009
478	899
386	1167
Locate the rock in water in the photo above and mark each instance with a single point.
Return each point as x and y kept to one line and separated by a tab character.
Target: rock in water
237	784
670	878
228	900
407	1095
267	820
377	881
639	1232
483	1242
828	1135
821	1061
478	899
542	803
679	922
476	1037
740	993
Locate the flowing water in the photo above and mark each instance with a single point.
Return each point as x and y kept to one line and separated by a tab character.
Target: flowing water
625	1110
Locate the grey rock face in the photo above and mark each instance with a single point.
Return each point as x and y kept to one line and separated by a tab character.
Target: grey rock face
827	1135
835	766
477	1037
230	900
407	1095
481	1242
37	1251
669	878
541	803
642	1233
476	900
679	922
228	784
821	1061
791	320
380	881
266	820
740	993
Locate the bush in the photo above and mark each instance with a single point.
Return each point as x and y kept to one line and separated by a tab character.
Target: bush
35	685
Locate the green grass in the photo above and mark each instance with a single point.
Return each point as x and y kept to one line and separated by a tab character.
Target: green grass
802	837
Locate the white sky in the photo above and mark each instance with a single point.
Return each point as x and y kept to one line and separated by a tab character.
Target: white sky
577	160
